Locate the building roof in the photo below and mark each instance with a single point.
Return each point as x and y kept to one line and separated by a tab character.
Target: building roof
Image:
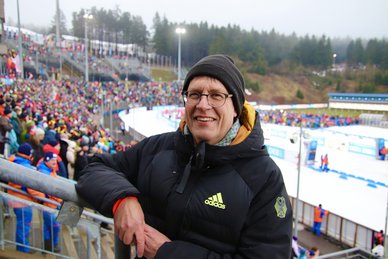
358	98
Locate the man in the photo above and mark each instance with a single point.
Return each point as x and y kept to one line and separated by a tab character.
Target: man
208	190
51	227
383	151
325	163
5	129
378	238
23	211
54	146
122	127
82	157
319	213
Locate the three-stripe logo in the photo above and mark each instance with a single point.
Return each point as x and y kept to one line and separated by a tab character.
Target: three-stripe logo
216	201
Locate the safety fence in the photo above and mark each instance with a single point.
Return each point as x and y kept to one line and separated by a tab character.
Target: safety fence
86	240
336	229
81	234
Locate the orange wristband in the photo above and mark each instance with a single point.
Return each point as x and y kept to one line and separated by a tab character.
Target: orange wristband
118	202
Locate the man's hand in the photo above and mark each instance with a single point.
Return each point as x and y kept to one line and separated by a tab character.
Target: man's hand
129	224
153	241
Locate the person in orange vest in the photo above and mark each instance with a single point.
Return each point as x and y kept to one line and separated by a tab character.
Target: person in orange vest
325	163
23	211
52	227
379	238
319	213
383	152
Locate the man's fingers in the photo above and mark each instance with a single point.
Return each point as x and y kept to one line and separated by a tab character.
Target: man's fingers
140	243
124	234
127	239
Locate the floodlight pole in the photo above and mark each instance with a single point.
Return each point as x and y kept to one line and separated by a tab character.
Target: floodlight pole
385	234
179	31
87	17
58	41
20	43
298	181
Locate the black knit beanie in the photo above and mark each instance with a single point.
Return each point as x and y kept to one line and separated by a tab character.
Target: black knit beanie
222	68
25	149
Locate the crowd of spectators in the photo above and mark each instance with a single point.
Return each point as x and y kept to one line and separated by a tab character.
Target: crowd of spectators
287	118
309	120
62	116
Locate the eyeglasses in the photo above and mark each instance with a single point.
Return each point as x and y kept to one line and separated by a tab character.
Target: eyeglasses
215	99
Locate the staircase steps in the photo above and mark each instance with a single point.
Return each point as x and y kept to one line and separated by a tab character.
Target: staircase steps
68	241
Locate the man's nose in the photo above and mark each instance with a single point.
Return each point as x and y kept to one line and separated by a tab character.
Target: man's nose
203	101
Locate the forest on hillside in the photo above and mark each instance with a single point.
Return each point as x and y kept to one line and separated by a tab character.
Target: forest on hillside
256	53
263	49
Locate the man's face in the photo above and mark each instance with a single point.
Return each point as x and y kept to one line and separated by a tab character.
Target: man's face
205	122
52	163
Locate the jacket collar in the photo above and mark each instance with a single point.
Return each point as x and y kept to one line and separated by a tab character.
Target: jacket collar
249	142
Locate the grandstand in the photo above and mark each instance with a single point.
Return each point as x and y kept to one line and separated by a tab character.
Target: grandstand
357	101
373	106
107	61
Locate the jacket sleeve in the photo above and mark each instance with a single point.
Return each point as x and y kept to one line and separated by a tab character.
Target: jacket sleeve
108	178
267	231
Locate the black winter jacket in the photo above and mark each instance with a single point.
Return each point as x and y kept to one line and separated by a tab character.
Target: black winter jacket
211	201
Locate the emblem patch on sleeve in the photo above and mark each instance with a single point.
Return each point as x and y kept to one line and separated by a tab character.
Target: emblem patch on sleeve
280	207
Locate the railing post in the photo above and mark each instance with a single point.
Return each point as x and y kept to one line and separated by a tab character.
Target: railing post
1	223
122	251
88	244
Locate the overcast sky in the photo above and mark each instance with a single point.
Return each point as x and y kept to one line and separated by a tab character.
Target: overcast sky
334	18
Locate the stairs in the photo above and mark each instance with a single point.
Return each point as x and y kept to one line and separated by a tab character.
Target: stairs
87	240
68	71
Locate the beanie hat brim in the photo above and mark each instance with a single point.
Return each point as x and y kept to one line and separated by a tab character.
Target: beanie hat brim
49	155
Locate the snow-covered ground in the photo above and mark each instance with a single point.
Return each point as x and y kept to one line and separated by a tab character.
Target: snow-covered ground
355	187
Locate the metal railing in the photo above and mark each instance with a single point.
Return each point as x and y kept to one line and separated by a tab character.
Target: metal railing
72	207
349	253
340	231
